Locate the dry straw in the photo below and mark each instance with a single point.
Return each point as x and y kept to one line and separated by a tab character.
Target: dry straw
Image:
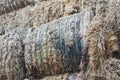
7	6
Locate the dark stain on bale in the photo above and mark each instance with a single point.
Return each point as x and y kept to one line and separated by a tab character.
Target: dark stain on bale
116	55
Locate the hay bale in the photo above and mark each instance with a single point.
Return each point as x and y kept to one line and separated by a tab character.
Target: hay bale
53	48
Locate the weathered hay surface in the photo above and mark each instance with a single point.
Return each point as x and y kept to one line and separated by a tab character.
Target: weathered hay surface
7	6
60	46
52	49
104	43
